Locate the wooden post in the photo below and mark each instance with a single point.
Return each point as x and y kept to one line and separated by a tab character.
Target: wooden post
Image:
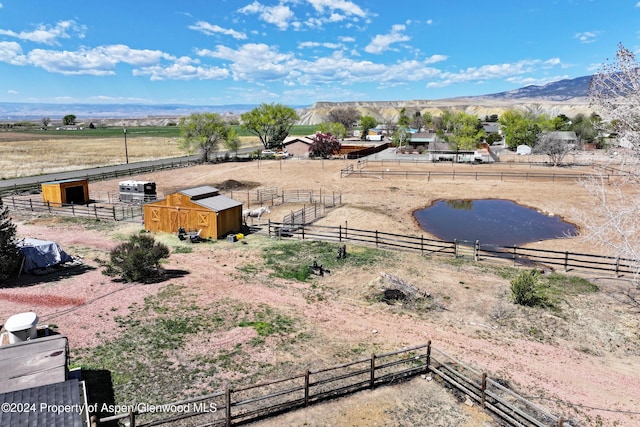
376	238
560	422
483	387
340	233
73	210
114	213
372	376
429	356
566	261
95	211
227	408
302	231
514	255
617	266
306	387
132	419
422	244
476	249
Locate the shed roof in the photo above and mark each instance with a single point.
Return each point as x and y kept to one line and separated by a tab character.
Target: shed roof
200	192
291	139
217	203
45	399
65	181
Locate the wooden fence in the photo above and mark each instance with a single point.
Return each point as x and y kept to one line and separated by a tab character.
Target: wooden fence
92	211
521	255
469	175
241	405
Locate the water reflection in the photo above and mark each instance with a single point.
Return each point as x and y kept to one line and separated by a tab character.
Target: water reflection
491	221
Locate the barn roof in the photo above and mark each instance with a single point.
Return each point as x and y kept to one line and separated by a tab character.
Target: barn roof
217	203
45	399
200	192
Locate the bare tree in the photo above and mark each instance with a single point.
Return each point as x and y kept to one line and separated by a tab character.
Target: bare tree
615	90
348	117
556	145
615	93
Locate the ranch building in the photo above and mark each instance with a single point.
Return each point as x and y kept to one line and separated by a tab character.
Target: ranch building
200	209
66	192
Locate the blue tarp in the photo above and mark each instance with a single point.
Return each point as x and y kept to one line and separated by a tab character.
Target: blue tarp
41	254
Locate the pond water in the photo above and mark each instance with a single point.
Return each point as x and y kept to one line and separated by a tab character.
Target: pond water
491	222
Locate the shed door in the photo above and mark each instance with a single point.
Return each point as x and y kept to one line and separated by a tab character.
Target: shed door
74	195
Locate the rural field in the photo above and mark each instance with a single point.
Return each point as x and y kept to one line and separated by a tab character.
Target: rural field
245	312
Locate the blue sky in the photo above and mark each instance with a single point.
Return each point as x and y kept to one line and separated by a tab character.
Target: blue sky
298	52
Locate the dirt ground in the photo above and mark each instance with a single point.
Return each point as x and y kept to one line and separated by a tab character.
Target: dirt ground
582	363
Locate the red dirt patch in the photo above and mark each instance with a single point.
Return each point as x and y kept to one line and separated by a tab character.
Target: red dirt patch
46	300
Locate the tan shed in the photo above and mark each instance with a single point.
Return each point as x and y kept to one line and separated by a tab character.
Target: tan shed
201	209
71	191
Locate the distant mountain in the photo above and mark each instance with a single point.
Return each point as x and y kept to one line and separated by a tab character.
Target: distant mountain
562	90
569	90
16	111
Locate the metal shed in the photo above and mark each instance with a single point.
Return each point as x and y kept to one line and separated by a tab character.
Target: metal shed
201	209
70	191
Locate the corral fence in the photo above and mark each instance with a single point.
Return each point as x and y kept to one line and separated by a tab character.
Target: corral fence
470	175
519	255
242	405
270	196
92	211
304	216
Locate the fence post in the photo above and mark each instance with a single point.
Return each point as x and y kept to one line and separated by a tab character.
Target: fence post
95	211
227	407
73	210
306	387
372	377
302	231
114	213
514	255
483	387
476	249
340	233
269	227
132	419
566	261
429	356
560	422
422	244
617	266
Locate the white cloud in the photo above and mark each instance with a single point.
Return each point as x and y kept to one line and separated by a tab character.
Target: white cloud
587	36
99	61
280	15
11	53
182	69
347	7
11	91
303	45
47	34
211	29
382	42
509	72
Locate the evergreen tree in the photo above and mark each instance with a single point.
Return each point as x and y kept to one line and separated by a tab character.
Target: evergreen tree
9	252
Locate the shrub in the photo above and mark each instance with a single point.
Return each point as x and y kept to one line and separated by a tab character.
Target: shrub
137	260
10	256
526	289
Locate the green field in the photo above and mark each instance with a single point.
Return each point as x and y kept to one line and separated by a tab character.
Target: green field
158	131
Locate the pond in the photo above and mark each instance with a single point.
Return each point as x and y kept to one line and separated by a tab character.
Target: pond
491	222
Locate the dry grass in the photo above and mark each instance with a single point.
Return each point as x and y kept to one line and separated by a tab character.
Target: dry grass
25	155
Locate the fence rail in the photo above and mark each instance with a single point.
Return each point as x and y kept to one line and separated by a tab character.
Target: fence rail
93	211
129	171
235	406
566	260
473	175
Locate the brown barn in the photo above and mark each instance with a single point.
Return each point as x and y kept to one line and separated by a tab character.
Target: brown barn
70	191
201	209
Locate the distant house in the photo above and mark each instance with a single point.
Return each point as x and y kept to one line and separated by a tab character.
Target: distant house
566	137
201	209
297	146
